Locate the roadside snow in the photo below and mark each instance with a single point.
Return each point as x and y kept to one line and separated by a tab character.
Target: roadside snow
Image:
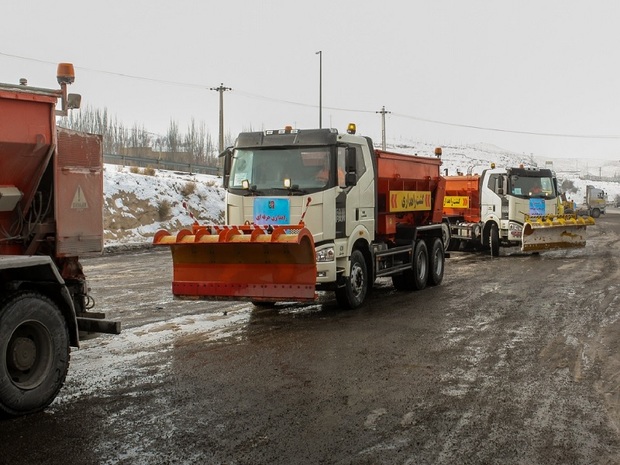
136	205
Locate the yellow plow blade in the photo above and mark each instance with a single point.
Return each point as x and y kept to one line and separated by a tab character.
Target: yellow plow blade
550	233
242	263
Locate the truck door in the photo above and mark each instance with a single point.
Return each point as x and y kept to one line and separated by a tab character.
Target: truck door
491	199
355	204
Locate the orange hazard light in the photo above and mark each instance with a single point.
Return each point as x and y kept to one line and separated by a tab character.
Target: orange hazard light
65	73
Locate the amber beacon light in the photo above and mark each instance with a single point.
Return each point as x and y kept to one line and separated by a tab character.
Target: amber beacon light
65	74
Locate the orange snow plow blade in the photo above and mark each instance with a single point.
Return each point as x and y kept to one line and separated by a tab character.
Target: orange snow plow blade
560	232
242	263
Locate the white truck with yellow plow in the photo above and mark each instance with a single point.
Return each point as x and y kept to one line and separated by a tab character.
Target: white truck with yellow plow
510	207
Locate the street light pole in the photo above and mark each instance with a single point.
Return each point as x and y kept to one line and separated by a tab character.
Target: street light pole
221	89
383	113
320	54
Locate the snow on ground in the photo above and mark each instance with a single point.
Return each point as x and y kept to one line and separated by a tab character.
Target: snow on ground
107	358
137	204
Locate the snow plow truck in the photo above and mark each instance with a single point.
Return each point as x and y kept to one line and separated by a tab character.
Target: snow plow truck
51	213
510	207
314	209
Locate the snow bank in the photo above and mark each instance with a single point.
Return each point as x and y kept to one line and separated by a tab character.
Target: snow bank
139	203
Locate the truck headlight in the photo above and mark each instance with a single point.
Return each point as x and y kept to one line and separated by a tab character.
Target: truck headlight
325	255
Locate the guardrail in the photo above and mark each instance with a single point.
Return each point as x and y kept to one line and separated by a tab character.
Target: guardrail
591	177
115	159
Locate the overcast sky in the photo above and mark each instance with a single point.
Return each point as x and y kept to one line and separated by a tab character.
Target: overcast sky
532	76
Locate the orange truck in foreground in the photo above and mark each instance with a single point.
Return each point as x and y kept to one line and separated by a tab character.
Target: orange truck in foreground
51	198
291	230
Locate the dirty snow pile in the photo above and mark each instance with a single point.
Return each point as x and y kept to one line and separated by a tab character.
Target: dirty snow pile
139	202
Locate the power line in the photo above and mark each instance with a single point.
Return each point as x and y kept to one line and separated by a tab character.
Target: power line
511	131
349	110
111	73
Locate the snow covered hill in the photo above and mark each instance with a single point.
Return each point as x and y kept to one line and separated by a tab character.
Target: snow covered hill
138	202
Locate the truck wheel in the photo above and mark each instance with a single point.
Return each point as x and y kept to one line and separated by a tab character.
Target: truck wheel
353	293
420	266
436	263
34	353
415	278
446	235
494	240
596	213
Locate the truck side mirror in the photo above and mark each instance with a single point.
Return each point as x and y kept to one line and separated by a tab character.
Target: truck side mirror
350	159
227	155
350	162
350	179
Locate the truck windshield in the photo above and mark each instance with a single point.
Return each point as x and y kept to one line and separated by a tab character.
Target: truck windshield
306	169
532	186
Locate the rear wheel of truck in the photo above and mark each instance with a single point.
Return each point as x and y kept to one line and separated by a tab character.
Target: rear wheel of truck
436	263
446	235
420	266
415	278
34	353
353	293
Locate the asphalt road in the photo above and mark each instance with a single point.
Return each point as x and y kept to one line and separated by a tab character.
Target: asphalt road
512	360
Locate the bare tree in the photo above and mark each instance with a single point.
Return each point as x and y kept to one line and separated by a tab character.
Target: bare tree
173	138
197	141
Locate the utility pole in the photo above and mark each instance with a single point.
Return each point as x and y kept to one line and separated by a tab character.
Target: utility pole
221	89
320	54
383	113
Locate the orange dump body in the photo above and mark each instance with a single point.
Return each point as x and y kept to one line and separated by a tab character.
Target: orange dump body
462	197
410	190
27	140
51	179
242	263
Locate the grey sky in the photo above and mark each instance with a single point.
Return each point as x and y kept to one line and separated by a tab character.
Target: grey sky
533	66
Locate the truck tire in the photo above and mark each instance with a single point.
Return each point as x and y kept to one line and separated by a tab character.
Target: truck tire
34	353
436	263
353	293
414	279
420	266
446	235
596	213
494	240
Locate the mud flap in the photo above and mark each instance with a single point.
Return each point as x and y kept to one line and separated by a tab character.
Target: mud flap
242	263
554	233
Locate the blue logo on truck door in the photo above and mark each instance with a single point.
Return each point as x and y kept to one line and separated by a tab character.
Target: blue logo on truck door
272	211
